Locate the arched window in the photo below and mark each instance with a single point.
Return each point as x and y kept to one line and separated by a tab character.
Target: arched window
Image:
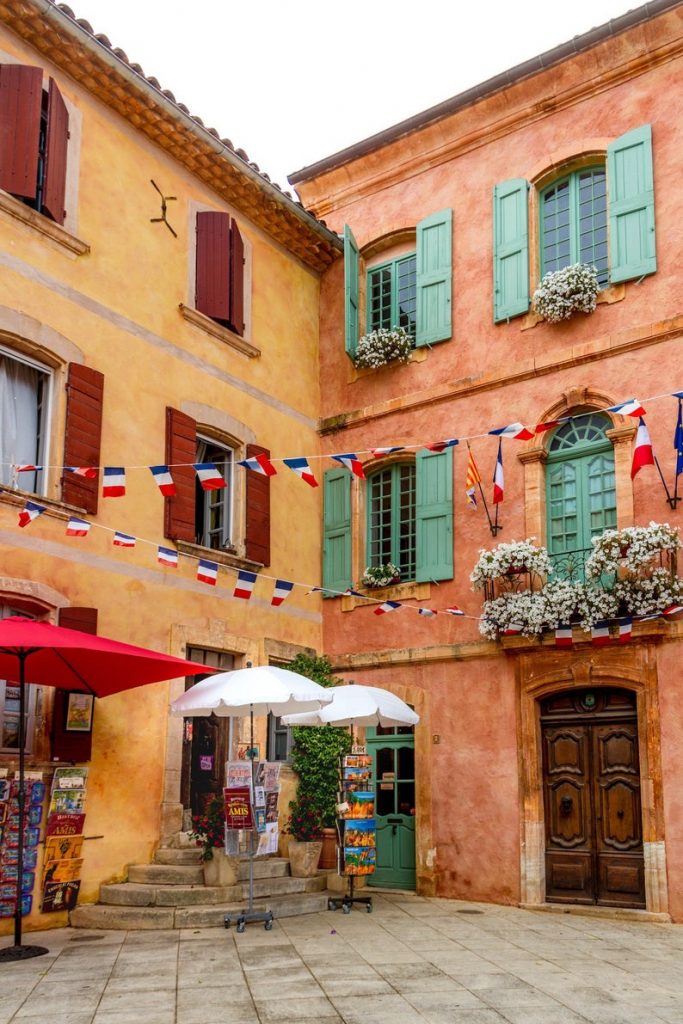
391	535
581	491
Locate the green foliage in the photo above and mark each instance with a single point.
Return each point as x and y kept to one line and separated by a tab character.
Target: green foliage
208	829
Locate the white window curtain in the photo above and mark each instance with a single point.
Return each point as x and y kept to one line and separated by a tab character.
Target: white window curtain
19	419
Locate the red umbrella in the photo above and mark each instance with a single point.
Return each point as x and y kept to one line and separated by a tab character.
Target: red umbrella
46	655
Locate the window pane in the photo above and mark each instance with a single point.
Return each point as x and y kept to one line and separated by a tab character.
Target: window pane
213	517
379	298
23	397
407	294
593	222
391	518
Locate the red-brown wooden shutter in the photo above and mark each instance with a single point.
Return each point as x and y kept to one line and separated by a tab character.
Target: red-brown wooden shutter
257	541
54	184
212	296
236	280
83	434
181	447
71	746
21	95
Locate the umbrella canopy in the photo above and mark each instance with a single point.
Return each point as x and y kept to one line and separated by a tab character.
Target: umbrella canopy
258	691
358	705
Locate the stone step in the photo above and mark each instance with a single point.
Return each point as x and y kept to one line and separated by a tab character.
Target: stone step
264	867
166	874
167	855
132	894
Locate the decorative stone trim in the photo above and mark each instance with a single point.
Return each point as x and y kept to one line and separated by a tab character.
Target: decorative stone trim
228	558
55	232
224	334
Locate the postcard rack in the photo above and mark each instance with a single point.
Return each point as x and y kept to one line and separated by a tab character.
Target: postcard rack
356	829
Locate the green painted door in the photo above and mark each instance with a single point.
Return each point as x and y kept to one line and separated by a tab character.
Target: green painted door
393	762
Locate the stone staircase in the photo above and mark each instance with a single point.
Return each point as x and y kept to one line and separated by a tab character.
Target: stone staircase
170	893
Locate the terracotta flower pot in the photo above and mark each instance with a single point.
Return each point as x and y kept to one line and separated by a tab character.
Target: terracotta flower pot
328	856
220	870
303	858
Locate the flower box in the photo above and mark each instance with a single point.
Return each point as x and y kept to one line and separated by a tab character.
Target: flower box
564	292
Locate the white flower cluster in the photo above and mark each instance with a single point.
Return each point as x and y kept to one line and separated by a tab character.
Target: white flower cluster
646	595
377	348
631	549
564	292
520	555
555	604
380	575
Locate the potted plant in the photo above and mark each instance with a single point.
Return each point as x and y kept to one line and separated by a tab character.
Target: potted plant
564	292
208	830
383	346
305	828
376	576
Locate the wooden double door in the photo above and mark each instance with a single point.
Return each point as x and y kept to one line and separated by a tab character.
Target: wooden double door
591	779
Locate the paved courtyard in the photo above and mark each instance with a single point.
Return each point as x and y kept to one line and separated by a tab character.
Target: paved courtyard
413	959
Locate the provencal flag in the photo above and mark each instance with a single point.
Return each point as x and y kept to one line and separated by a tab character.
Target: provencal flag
259	464
207	572
245	584
301	468
114	482
352	462
167	556
123	540
208	476
29	512
77	527
281	591
471	480
388	606
163	480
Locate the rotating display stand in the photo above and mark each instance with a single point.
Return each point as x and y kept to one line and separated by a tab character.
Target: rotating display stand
356	829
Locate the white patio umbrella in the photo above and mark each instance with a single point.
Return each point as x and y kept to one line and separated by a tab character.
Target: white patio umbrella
358	705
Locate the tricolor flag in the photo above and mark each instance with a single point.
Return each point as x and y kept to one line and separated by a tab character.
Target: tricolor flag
563	635
208	476
319	590
673	609
388	606
207	572
163	480
427	612
630	408
516	431
351	593
471	480
113	482
540	428
498	479
649	618
352	462
678	439
77	527
600	633
625	630
259	464
29	512
302	469
281	591
441	446
642	453
245	584
454	610
167	556
123	540
89	472
379	452
28	469
514	629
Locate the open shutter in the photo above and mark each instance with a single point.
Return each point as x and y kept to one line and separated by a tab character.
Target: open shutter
351	286
83	434
21	95
434	515
181	453
71	746
630	185
258	510
337	529
236	280
510	249
434	278
212	288
54	184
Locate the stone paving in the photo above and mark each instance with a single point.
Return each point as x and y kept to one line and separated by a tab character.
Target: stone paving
413	959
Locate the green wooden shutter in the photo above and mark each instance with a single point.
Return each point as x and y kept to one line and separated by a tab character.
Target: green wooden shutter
434	278
351	276
631	205
337	529
510	249
434	515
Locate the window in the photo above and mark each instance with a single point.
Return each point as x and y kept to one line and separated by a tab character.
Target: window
9	705
219	282
24	397
280	740
573	214
391	295
391	518
214	512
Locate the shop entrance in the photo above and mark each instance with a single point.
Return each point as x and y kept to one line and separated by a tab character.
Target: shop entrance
591	784
206	743
393	764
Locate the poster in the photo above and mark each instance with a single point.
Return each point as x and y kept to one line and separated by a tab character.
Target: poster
65	825
238	810
79	710
60	896
271	775
238	773
62	870
63	852
260	819
247	751
271	807
63	847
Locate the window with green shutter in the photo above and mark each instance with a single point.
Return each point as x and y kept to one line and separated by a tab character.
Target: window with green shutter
391	518
391	295
573	222
337	529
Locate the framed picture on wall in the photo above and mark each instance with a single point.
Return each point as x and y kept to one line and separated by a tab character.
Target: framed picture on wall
79	711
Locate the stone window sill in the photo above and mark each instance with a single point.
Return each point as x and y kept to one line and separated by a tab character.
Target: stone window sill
228	558
224	334
613	293
54	508
398	592
55	232
418	355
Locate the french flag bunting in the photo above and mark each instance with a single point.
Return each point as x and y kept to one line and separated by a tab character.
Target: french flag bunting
673	609
600	633
207	572
163	480
625	630
516	431
28	469
388	606
259	464
642	453
540	428
498	478
114	482
167	556
89	472
245	584
77	527
379	452
123	540
630	408
352	462
563	635
678	439
208	476
318	590
514	629
441	446
281	591
428	613
301	468
352	593
29	512
454	610
649	618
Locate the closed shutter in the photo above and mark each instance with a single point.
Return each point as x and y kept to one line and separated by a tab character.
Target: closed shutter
258	510
510	249
434	515
351	286
212	295
236	280
337	529
83	434
630	183
71	746
181	453
434	278
21	95
54	184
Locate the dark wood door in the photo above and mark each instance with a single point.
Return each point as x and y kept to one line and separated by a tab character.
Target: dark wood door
594	847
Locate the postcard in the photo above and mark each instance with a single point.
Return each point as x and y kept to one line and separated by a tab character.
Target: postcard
63	870
360	804
271	807
360	833
65	825
67	801
271	779
359	861
63	847
70	778
238	810
260	818
259	796
60	895
238	773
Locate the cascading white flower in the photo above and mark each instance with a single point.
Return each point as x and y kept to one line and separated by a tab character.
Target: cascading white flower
383	346
564	292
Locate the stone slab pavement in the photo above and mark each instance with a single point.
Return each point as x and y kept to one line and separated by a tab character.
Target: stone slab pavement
413	959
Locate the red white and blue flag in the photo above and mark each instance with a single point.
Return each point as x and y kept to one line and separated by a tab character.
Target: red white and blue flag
281	591
441	446
352	462
163	480
245	584
207	572
630	408
379	452
516	431
388	606
625	629
89	472
208	476
113	482
642	453
514	629
123	540
498	478
540	428
167	556
673	609
77	527
28	469
600	633
678	439
352	593
259	464
301	468
563	635
454	610
427	612
29	512
319	590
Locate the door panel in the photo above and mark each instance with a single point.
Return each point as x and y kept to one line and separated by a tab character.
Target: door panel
394	773
619	840
568	814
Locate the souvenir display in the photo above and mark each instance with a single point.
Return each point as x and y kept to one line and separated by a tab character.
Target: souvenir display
63	854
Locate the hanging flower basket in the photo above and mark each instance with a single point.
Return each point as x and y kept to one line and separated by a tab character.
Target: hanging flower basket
512	559
381	347
564	292
381	575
